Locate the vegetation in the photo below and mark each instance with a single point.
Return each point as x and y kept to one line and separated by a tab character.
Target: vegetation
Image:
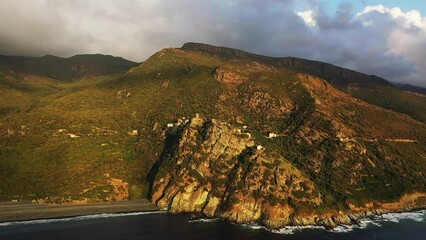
65	134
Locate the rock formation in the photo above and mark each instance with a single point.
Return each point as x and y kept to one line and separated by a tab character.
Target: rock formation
213	169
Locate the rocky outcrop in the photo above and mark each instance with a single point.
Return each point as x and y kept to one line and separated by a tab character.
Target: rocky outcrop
265	103
216	170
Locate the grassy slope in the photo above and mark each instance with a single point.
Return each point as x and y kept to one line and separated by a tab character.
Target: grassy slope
45	162
42	161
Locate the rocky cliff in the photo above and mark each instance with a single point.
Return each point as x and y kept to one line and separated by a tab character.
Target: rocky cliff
218	170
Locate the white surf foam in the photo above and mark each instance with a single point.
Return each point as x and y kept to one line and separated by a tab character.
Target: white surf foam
203	220
417	216
285	230
253	226
78	218
293	229
343	228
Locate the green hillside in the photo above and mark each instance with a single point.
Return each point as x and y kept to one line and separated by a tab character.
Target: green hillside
86	139
67	69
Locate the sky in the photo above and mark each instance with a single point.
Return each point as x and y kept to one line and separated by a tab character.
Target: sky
382	37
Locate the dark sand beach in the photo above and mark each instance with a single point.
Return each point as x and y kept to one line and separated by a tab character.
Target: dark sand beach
20	211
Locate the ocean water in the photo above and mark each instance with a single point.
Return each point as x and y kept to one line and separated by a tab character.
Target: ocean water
162	225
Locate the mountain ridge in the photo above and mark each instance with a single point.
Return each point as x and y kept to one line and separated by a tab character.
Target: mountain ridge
294	63
68	69
369	88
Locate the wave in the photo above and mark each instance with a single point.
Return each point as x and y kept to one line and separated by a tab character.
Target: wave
285	230
293	229
205	220
418	216
78	218
253	226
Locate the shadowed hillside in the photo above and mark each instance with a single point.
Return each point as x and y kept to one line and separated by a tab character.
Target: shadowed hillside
67	69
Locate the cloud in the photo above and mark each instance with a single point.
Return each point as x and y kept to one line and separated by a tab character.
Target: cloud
404	34
378	40
308	17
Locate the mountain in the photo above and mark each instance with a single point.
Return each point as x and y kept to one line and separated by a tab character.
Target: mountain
411	88
67	69
370	88
219	132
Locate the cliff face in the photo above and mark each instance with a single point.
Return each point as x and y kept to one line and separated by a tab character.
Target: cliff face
217	170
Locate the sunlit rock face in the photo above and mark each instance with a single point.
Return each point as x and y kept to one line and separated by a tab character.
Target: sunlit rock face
214	169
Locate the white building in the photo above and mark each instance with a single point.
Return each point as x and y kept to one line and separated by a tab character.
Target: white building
271	135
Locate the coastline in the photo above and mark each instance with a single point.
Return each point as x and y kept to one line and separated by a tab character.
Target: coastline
27	211
417	214
275	218
160	225
348	219
24	211
327	222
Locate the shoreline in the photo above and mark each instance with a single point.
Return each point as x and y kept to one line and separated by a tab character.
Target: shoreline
349	219
18	211
361	223
27	211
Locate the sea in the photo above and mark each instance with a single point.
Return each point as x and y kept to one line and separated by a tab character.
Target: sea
162	225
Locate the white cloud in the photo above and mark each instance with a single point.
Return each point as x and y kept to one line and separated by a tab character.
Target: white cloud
407	19
384	41
405	34
308	17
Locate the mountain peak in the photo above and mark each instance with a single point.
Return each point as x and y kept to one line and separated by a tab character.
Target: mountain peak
224	52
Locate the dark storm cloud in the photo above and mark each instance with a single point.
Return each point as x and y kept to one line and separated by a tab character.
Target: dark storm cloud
378	41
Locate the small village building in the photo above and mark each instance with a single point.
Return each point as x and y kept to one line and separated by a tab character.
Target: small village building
259	147
169	125
271	135
73	135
